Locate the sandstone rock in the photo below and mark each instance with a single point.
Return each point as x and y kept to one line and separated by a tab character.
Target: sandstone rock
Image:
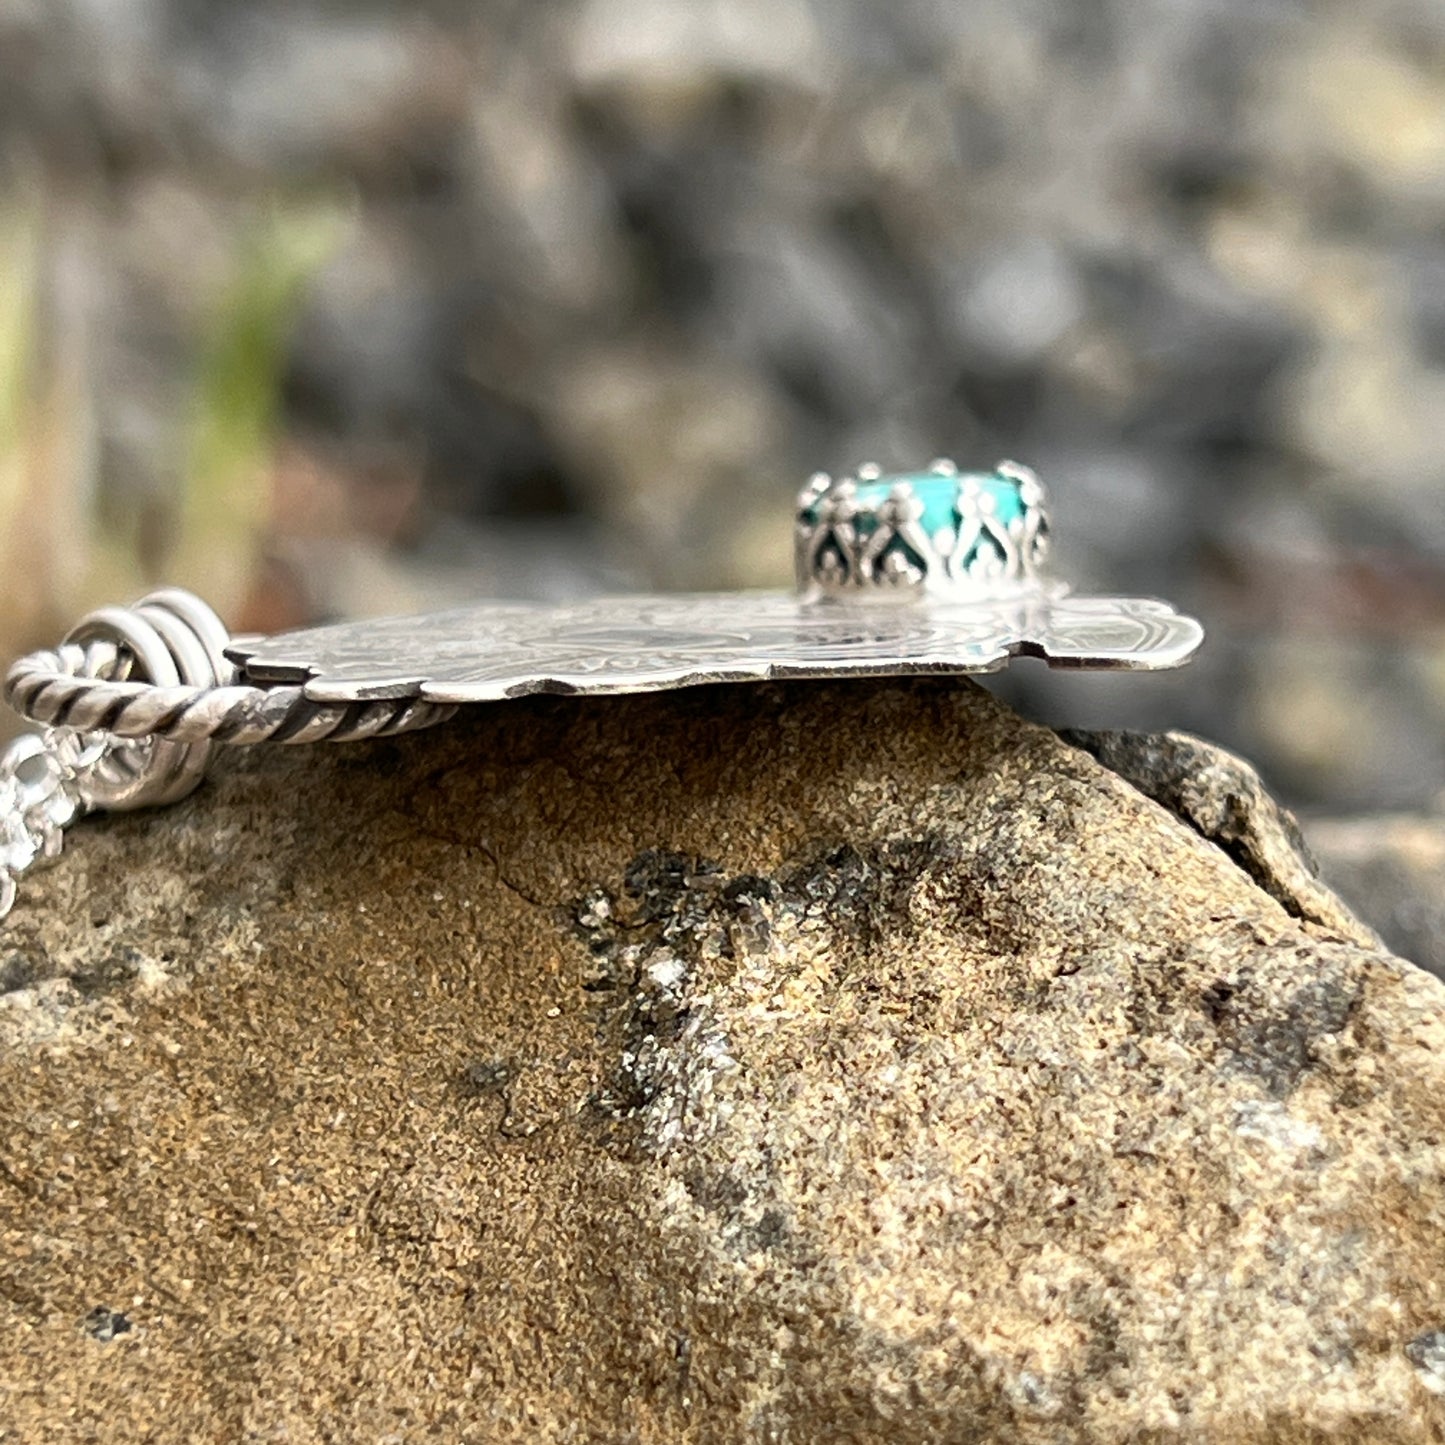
1222	798
849	1062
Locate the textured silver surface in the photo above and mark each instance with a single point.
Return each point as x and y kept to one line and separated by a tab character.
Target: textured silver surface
636	644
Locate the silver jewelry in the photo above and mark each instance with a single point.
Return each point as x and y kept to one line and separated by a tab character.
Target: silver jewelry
942	532
938	571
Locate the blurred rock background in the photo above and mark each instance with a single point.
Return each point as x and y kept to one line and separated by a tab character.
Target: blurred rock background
345	308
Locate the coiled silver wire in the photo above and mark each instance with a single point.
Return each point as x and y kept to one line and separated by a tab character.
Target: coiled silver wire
168	639
131	705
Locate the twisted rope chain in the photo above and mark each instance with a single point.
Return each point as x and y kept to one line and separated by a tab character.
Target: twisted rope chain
131	703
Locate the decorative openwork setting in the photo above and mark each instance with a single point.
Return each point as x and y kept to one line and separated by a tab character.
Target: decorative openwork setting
940	531
934	571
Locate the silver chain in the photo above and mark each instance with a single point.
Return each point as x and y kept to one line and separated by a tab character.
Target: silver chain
131	704
42	791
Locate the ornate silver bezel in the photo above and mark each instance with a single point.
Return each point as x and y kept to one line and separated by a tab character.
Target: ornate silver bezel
854	539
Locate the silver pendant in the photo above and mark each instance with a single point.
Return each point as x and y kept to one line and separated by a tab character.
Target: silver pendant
938	571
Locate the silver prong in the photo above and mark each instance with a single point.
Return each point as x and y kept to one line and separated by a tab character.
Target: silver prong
869	472
944	466
1017	471
817	486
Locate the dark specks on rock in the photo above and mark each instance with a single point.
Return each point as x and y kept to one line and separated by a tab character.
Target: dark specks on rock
114	971
483	1078
866	892
104	1324
96	976
1427	1353
669	887
19	970
749	888
648	937
1216	1000
771	1229
1278	1045
715	1190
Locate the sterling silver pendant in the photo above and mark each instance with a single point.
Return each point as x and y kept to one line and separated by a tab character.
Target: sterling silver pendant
639	644
938	571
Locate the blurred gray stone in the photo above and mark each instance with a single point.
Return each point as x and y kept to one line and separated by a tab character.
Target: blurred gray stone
1392	871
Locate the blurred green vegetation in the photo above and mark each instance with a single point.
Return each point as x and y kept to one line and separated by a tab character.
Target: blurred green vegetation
64	545
236	401
18	251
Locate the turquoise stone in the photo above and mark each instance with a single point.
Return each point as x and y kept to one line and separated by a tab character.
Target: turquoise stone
939	494
937	550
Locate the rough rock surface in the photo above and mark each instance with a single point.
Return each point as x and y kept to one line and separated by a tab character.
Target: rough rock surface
847	1063
1222	798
